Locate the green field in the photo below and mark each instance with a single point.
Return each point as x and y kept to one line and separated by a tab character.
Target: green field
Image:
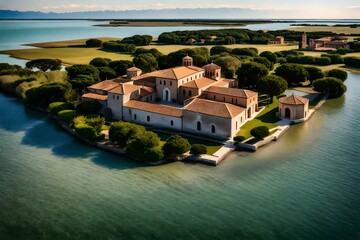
339	30
267	118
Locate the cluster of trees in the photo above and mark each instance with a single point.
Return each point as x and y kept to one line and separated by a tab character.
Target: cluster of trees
223	36
93	42
9	69
44	64
353	62
138	40
89	127
117	46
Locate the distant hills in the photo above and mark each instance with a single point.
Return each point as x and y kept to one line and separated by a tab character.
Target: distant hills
179	13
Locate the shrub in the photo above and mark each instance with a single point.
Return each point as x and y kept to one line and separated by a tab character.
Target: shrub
97	123
269	56
260	132
176	145
146	147
94	42
338	73
56	107
123	132
323	61
79	120
67	115
239	138
198	149
100	62
86	131
88	107
244	52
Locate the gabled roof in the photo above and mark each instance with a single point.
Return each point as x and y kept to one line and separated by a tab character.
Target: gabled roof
177	73
233	92
146	90
95	96
199	83
154	108
124	89
104	85
294	100
212	108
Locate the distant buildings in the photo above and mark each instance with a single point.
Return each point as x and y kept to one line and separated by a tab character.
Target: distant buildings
187	98
324	43
278	40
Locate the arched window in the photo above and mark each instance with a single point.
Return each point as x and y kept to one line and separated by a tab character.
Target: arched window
148	118
198	126
170	83
134	116
189	93
213	129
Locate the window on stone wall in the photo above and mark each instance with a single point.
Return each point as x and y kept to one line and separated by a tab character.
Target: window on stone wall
184	92
236	127
213	129
134	116
117	97
172	123
190	93
148	118
170	83
164	82
214	97
198	126
113	96
160	82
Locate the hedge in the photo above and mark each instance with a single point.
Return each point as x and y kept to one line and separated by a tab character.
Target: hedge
56	107
260	132
67	115
239	138
86	131
198	149
88	107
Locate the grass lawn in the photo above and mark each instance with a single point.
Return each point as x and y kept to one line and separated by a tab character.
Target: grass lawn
69	55
211	146
267	117
345	30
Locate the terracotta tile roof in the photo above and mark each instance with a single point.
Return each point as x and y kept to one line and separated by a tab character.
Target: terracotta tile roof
211	66
104	85
219	109
146	90
234	92
196	68
199	83
124	89
154	108
223	82
95	96
187	57
177	72
294	100
133	69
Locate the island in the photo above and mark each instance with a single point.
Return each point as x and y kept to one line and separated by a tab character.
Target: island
187	95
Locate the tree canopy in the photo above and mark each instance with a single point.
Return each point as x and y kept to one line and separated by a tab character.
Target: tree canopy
337	73
44	64
176	145
93	42
335	87
146	62
83	69
292	73
314	73
272	85
250	72
100	62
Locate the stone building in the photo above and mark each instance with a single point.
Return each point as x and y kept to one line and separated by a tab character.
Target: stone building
278	40
187	98
293	107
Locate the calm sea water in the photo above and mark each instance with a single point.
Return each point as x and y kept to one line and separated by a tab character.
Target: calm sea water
305	186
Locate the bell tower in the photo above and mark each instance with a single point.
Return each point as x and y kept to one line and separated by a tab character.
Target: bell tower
187	61
304	41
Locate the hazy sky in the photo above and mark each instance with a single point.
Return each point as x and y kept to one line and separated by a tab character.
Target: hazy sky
285	8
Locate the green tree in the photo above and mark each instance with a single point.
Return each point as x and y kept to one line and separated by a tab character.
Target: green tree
100	62
146	62
260	132
120	66
337	73
272	85
123	132
244	52
219	49
88	107
228	65
106	73
176	145
80	82
292	73
97	123
250	72
83	69
86	131
45	94
44	64
269	56
314	73
335	87
269	65
94	42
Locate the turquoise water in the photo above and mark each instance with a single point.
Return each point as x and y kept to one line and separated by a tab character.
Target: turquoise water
305	186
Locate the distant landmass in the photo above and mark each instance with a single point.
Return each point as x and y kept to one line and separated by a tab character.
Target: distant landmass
179	13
